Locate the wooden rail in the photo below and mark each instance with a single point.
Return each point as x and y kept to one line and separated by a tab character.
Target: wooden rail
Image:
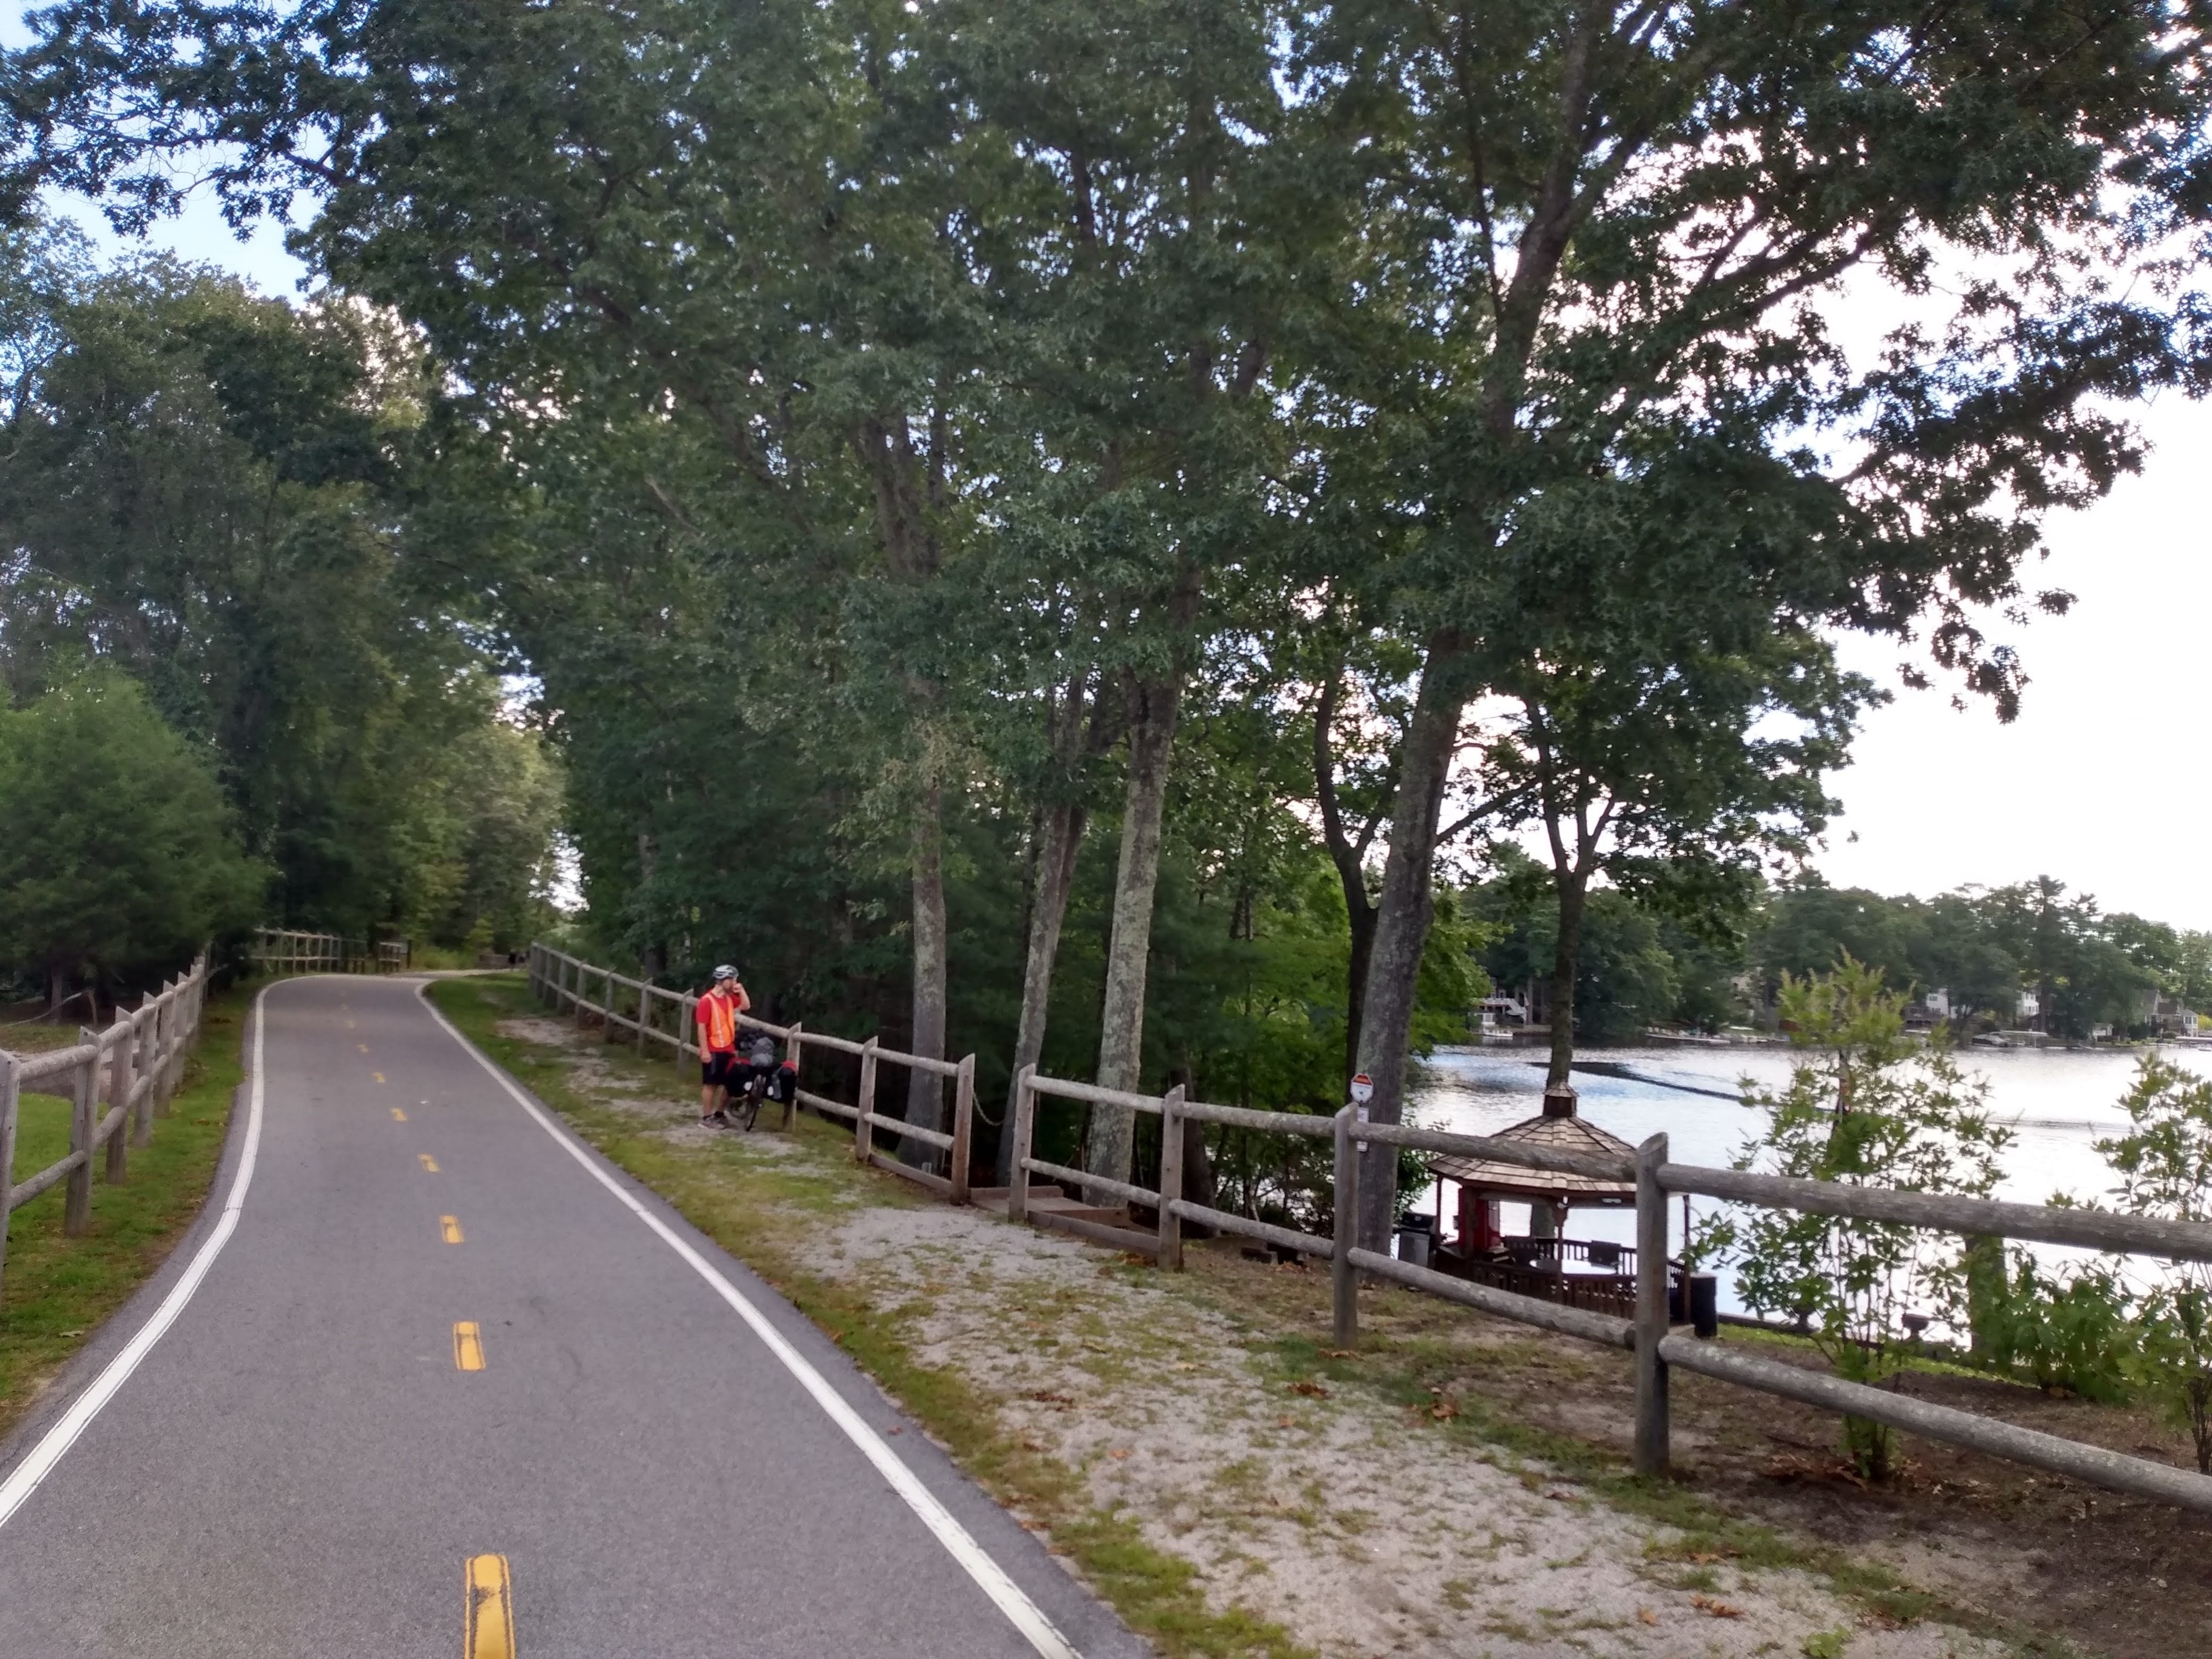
133	1068
1649	1336
652	1013
282	949
1656	1348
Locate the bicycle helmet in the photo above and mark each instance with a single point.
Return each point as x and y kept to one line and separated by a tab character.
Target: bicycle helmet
725	972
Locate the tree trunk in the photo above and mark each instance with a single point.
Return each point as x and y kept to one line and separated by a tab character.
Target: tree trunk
1121	1039
925	1091
1572	886
1403	913
653	956
1355	1007
1062	842
1350	859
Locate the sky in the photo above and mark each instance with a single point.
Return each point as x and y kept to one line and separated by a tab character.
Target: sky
2105	781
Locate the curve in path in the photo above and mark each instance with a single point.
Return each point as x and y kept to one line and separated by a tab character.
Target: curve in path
428	1328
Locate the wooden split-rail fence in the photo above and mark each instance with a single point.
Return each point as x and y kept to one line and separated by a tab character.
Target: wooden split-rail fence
653	1014
282	951
1657	1347
131	1068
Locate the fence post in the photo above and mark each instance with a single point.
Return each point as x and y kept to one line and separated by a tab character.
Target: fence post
172	1038
963	1126
1022	1128
76	1206
1343	1282
1171	1253
864	1134
142	1128
687	1026
1651	1449
795	1053
576	998
644	1013
119	1092
10	1097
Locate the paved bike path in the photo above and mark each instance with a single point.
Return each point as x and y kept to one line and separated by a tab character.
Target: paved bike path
301	1465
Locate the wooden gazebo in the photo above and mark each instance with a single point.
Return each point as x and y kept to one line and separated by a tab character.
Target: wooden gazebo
1544	1262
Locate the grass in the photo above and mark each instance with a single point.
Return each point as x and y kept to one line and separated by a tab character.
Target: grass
743	1202
57	1289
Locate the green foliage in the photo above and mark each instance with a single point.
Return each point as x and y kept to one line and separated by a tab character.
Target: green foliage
2165	1165
2069	1332
201	490
1865	1106
119	853
1987	946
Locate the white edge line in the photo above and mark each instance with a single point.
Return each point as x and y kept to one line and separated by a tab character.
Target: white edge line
57	1441
991	1578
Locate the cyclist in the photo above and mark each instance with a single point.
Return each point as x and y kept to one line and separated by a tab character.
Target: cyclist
716	1018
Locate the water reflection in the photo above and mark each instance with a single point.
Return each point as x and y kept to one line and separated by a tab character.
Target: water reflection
2058	1105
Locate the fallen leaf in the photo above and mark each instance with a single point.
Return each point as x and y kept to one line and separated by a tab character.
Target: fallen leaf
1645	1616
1286	1422
1713	1609
1444	1411
1310	1389
1121	1451
1339	1353
1047	1397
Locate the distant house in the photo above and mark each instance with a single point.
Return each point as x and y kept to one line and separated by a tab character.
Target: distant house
2167	1017
1497	1014
1930	1008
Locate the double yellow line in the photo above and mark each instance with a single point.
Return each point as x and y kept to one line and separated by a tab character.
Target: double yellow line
488	1630
490	1633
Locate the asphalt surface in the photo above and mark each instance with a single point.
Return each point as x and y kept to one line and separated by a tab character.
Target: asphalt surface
299	1465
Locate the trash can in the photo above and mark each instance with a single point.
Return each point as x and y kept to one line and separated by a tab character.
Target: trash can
1415	1235
1706	1305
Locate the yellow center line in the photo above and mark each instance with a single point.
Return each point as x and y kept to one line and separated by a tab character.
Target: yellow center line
379	1076
428	1162
490	1632
468	1345
451	1228
398	1116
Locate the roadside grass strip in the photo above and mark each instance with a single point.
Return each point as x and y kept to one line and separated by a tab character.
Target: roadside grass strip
58	1289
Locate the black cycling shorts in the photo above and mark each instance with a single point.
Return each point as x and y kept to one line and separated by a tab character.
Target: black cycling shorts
726	1068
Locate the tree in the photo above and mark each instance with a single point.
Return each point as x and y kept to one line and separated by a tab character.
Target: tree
204	488
118	854
1596	234
1667	763
1863	1108
2165	1166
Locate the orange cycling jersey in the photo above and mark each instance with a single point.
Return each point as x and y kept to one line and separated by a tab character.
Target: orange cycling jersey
717	1016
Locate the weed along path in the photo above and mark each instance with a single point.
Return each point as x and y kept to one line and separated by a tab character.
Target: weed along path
1191	1448
430	1371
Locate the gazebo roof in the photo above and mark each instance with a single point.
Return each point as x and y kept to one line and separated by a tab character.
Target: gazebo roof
1554	1131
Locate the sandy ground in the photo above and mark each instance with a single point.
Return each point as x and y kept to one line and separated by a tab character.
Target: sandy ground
1320	1507
1323	1506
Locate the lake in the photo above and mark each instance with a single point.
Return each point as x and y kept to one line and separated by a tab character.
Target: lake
2058	1101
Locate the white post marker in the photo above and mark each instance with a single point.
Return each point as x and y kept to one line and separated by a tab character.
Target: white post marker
1363	1090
